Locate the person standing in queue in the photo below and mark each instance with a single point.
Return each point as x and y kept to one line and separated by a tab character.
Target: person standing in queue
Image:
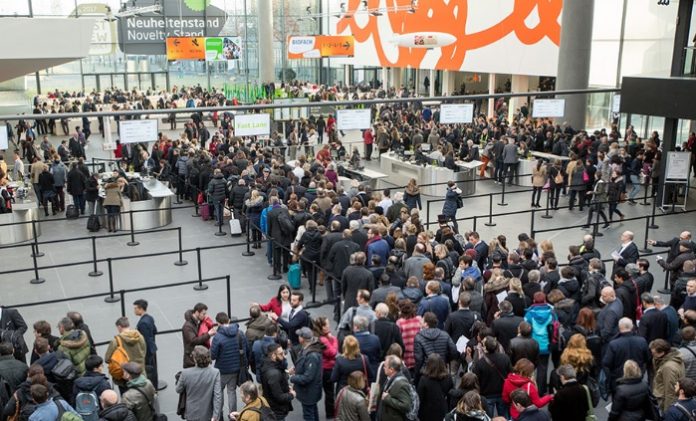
452	203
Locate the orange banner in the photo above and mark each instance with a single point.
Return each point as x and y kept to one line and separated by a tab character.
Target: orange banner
186	48
317	46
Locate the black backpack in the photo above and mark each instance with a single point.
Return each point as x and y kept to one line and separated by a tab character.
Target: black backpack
265	413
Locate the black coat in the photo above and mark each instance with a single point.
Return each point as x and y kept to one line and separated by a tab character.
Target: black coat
630	401
327	243
339	256
460	322
274	229
628	255
519	304
570	403
276	388
118	412
505	328
492	371
388	333
12	320
353	279
76	182
521	347
628	295
653	325
626	346
433	397
146	327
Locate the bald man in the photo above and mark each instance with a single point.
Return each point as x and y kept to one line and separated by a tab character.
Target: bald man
113	409
626	253
626	346
608	318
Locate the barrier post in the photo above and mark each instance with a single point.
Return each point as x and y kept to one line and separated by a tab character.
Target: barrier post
531	224
200	286
546	214
122	297
35	247
665	289
111	298
427	212
490	222
502	198
181	261
645	197
646	249
275	276
195	203
653	225
220	232
95	272
229	294
595	231
132	242
314	284
37	280
475	217
248	251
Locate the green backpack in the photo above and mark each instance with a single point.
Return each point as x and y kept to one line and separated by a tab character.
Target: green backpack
64	415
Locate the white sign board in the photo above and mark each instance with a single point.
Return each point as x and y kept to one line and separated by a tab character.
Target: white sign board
285	114
456	113
548	108
616	104
354	119
4	143
252	124
134	131
678	165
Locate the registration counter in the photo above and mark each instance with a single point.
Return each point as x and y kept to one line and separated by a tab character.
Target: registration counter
154	211
23	212
400	172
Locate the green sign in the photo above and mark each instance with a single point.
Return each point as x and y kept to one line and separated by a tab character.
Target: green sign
213	49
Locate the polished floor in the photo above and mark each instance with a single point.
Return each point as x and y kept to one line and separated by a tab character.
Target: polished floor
249	281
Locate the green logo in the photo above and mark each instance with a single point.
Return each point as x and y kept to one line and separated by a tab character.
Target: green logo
197	5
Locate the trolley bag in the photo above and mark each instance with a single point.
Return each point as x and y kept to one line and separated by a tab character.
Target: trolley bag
71	212
295	276
235	226
93	224
204	210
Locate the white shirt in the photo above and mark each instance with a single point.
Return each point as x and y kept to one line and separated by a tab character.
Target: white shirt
385	204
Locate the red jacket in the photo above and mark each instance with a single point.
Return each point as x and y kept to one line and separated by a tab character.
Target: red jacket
273	305
204	327
328	355
514	382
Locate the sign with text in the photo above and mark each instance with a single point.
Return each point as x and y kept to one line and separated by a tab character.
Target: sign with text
317	46
186	48
252	124
223	48
135	131
678	164
456	113
4	143
359	119
548	108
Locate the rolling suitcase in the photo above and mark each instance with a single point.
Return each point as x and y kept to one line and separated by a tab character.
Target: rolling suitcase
204	210
295	276
235	226
93	224
71	212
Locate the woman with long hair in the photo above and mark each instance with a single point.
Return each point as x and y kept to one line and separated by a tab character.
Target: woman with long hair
469	382
409	324
538	181
433	386
322	330
556	183
350	360
522	377
586	325
412	197
351	402
579	357
517	297
470	408
280	304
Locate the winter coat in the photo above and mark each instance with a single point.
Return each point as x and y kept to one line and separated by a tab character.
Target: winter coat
388	333
627	293
118	412
491	290
630	401
355	278
492	370
137	402
433	341
74	345
77	182
539	176
113	195
626	346
449	208
344	366
540	316
515	381
377	246
668	370
438	304
203	393
328	355
339	256
276	389
134	345
308	373
217	189
521	347
397	403
351	405
310	244
256	328
60	174
91	382
570	403
225	349
12	371
189	334
432	394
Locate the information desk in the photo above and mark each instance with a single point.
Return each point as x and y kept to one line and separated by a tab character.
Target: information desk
22	211
366	175
158	201
400	172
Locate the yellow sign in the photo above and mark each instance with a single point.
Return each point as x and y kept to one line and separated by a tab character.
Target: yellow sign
317	46
185	48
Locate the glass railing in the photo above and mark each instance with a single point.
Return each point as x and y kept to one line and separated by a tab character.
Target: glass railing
690	61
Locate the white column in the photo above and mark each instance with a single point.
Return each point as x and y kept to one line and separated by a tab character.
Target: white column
265	36
346	74
395	78
491	91
385	77
520	83
431	88
448	85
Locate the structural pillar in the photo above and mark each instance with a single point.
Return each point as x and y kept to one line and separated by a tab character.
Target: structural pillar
448	86
431	87
491	91
265	37
574	57
395	78
519	84
385	78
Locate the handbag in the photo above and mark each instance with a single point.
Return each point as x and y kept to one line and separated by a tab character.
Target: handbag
244	374
558	179
590	416
375	391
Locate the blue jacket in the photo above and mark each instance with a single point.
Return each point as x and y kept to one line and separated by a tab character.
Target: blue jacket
540	316
450	206
258	352
438	304
379	247
308	372
675	414
225	349
146	327
48	411
263	222
371	347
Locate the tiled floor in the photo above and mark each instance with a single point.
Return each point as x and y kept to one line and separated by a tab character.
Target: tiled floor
249	281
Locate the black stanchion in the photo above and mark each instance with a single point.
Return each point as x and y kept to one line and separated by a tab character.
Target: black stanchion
531	224
37	280
548	202
248	251
653	225
646	249
111	298
132	242
95	272
314	286
201	286
220	232
595	227
665	288
122	297
645	197
475	218
274	276
35	248
181	261
229	294
490	222
502	198
427	212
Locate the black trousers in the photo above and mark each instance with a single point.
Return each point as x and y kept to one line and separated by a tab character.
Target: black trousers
281	257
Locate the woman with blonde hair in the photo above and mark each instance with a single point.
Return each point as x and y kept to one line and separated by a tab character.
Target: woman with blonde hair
631	400
350	360
517	297
469	408
412	197
579	357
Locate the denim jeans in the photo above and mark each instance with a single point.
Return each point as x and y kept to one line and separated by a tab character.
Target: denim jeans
497	403
79	201
635	187
218	212
229	381
310	412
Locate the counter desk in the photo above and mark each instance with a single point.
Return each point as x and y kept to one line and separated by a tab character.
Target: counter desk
22	211
158	201
400	172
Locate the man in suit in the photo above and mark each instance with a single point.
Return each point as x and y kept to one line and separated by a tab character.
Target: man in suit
626	253
12	329
146	327
297	319
653	325
608	317
281	236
